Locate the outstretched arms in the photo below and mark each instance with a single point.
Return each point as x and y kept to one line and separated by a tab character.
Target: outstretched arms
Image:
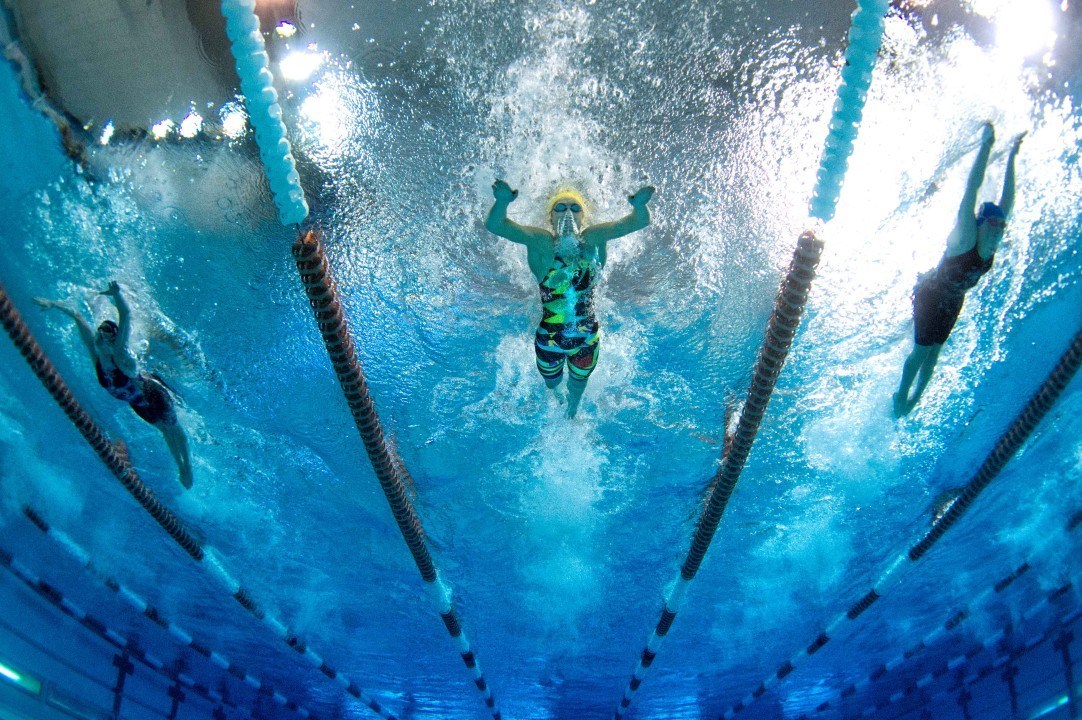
86	333
1006	200
968	206
498	223
637	219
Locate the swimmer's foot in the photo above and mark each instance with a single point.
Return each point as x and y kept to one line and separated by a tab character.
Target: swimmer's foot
902	406
559	392
572	406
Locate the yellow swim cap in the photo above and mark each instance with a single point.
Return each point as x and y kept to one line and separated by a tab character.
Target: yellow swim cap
567	193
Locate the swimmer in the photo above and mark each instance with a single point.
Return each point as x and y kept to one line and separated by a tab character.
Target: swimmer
939	294
118	373
566	261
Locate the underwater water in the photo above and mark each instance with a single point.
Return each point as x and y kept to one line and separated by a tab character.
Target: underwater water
559	536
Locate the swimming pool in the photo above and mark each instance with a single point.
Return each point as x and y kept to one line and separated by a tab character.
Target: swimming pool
558	537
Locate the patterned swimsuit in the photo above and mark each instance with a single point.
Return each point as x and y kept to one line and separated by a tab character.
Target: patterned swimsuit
568	330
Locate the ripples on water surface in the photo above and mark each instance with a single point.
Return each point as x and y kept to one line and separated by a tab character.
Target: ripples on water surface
557	535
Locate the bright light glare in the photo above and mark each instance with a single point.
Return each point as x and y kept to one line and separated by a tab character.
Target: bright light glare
107	133
300	65
1023	29
325	111
10	674
190	125
286	29
234	121
162	129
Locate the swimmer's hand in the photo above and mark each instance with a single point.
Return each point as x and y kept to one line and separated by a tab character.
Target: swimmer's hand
44	303
988	133
503	192
113	289
639	199
1017	142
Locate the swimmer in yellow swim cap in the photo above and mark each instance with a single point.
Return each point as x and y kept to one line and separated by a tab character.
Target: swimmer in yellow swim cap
566	261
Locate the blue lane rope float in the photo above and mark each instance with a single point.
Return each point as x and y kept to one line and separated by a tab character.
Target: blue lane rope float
264	111
865	39
1006	446
322	293
142	606
953	622
116	459
265	115
56	598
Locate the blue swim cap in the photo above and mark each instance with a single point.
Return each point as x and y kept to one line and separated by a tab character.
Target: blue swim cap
990	210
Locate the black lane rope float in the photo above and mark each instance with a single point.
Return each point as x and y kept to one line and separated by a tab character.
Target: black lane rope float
158	617
1005	448
56	598
865	37
118	463
781	329
956	620
322	294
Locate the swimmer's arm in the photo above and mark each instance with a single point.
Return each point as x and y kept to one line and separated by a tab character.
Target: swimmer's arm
968	207
964	234
86	333
637	219
123	310
498	223
1006	200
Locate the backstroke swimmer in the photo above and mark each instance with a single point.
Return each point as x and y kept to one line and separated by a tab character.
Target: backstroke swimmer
119	374
566	261
939	294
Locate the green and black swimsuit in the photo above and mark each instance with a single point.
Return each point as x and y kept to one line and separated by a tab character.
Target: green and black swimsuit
568	330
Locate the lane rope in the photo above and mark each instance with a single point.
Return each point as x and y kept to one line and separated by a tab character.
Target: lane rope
116	459
264	110
322	293
79	554
1005	447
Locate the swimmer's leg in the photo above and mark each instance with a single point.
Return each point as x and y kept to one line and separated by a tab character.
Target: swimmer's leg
550	362
925	374
177	441
579	366
157	409
919	366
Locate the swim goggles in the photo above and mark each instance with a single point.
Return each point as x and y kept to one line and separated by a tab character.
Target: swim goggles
564	207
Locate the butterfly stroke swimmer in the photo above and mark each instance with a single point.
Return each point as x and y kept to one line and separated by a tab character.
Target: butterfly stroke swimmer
566	261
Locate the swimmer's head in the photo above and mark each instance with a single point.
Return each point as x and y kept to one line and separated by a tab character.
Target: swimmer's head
993	215
107	332
567	210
